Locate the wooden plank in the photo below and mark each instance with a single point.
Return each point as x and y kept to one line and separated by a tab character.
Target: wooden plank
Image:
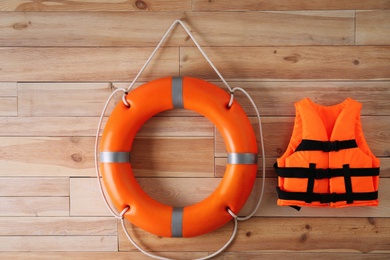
278	98
341	235
8	106
79	99
84	64
30	187
253	5
287	63
38	126
104	29
8	89
277	133
372	27
47	156
34	206
64	99
86	199
58	243
58	226
98	255
95	5
74	156
107	29
116	64
179	192
87	126
169	157
271	98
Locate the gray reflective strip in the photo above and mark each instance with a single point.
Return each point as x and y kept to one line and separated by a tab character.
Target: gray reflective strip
177	222
242	158
177	92
114	157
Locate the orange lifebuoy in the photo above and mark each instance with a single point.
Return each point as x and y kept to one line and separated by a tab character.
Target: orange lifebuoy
116	144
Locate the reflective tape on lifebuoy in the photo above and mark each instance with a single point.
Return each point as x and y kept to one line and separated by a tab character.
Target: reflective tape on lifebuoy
116	144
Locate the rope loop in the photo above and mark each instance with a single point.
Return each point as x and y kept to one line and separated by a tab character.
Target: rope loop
124	99
110	208
231	99
127	208
231	213
262	150
164	258
196	44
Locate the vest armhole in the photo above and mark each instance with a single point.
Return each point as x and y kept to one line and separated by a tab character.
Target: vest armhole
296	137
362	143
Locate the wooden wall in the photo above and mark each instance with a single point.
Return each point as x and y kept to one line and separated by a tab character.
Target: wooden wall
59	61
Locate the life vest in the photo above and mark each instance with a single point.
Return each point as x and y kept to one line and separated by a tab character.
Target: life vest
327	162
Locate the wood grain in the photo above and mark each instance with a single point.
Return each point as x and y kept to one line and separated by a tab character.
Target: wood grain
86	199
74	156
87	126
84	64
8	89
278	98
47	156
57	226
99	255
279	63
48	126
34	206
359	235
42	187
64	99
8	106
58	243
286	63
253	5
107	28
96	5
372	27
271	98
277	132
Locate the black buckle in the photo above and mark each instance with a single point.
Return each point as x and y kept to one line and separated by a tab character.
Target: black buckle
331	146
323	174
327	198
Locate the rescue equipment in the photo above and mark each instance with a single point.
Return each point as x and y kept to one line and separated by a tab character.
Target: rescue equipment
116	144
327	162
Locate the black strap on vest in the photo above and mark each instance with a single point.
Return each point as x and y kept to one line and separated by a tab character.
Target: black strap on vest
297	172
348	183
310	182
326	198
325	146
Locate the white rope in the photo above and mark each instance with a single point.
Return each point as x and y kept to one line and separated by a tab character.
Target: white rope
197	45
113	212
165	258
262	152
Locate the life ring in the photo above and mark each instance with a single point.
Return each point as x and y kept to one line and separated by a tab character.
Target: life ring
117	174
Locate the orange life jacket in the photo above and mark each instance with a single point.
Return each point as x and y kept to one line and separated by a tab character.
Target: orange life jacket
327	162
